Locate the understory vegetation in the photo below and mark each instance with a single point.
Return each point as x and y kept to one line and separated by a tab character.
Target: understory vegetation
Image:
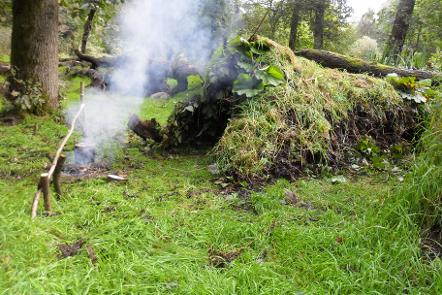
173	229
216	147
271	114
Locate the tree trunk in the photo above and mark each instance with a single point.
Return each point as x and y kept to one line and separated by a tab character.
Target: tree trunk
294	24
87	29
318	30
399	32
34	47
359	66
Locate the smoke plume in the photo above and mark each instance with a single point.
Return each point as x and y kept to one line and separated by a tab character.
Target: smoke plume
149	30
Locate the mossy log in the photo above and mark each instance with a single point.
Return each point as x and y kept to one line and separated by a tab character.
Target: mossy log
358	66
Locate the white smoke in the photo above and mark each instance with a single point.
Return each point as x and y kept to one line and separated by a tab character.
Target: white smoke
149	30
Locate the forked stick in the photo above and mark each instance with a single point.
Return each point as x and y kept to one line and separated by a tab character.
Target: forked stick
54	164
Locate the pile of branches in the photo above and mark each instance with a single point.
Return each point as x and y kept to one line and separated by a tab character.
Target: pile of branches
268	113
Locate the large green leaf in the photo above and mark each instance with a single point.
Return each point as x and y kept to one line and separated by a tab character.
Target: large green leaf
276	72
247	85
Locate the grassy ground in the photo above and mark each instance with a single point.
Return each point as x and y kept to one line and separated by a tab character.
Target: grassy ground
153	234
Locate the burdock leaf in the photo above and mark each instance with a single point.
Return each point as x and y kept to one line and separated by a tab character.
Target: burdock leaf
244	81
275	72
268	79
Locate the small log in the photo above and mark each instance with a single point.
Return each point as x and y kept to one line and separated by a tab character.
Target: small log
57	173
149	129
44	185
358	66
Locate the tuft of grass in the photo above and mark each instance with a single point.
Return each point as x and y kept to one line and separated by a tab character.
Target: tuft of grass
419	201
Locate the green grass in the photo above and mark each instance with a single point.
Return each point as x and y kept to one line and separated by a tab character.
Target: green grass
160	109
152	234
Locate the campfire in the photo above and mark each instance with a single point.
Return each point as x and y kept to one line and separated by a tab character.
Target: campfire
82	163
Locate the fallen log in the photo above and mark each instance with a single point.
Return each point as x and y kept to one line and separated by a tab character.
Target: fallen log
358	66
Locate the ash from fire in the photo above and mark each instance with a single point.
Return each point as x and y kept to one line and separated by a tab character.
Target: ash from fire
152	34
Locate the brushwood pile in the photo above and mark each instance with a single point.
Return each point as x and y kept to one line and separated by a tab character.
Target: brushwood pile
267	113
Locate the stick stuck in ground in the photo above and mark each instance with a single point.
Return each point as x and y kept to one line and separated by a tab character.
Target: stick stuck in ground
53	166
57	173
44	185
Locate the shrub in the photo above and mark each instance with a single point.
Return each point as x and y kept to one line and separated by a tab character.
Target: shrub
366	48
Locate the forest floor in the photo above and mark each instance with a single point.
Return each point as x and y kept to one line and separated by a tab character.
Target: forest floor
172	229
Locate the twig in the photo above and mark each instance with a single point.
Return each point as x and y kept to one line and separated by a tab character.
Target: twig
36	200
259	26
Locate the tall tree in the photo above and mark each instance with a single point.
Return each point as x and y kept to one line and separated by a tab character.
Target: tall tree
34	49
318	27
296	17
401	25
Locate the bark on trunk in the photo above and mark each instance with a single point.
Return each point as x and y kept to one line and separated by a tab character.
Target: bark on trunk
294	25
399	32
87	29
34	47
355	65
318	30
